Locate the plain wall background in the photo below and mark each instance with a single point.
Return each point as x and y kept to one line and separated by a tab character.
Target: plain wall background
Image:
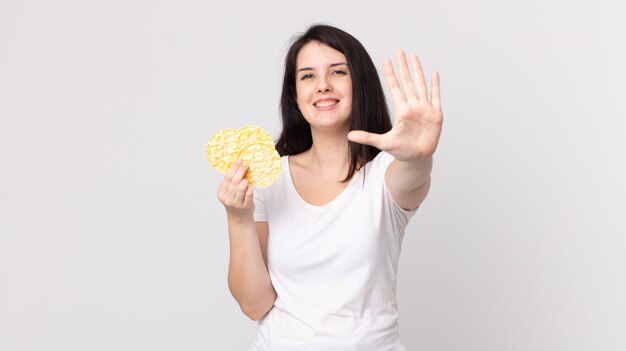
111	236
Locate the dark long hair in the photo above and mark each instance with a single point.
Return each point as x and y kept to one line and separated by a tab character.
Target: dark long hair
369	109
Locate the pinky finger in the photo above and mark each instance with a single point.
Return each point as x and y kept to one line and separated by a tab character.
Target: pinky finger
249	197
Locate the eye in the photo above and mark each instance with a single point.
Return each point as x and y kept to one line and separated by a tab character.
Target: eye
339	72
306	76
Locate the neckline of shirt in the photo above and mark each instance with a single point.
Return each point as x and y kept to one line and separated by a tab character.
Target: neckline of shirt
317	208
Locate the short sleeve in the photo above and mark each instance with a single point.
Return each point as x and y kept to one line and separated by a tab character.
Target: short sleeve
260	214
379	165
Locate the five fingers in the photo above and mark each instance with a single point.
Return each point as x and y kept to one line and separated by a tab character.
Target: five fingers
406	89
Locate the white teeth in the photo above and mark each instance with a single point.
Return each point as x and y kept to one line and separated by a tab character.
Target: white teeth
325	103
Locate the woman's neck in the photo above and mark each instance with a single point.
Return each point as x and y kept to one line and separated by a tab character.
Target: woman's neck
329	154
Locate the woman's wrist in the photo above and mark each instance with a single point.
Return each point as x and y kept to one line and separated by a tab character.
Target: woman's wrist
240	219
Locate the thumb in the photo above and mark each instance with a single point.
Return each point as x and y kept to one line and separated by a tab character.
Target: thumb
363	137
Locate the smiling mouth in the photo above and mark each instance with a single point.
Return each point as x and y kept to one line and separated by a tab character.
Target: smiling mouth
325	103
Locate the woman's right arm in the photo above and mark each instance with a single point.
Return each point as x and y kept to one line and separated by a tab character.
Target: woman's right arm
248	277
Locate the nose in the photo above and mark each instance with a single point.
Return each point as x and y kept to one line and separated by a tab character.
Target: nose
323	85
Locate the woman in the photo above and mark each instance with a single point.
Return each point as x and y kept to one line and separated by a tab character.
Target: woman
314	256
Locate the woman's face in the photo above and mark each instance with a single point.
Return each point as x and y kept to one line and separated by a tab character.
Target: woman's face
323	86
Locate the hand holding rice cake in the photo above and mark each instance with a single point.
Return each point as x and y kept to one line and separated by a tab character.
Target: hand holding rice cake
251	144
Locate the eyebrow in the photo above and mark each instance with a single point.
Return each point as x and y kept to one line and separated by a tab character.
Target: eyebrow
311	68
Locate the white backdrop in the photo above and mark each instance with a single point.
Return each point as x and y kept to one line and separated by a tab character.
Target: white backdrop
111	236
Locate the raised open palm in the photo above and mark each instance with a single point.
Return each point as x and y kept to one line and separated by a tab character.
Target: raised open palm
418	117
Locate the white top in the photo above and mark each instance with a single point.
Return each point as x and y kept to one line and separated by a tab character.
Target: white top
333	267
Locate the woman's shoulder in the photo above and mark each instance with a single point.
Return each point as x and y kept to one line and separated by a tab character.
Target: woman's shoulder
296	160
380	161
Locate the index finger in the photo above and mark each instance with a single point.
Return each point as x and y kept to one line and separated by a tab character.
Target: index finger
397	96
229	176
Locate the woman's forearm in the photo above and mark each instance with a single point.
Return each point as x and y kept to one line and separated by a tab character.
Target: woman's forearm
248	278
409	182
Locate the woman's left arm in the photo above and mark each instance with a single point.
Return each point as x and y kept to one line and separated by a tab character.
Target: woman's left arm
415	134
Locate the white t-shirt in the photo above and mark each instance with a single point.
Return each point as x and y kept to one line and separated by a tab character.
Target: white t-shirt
333	267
